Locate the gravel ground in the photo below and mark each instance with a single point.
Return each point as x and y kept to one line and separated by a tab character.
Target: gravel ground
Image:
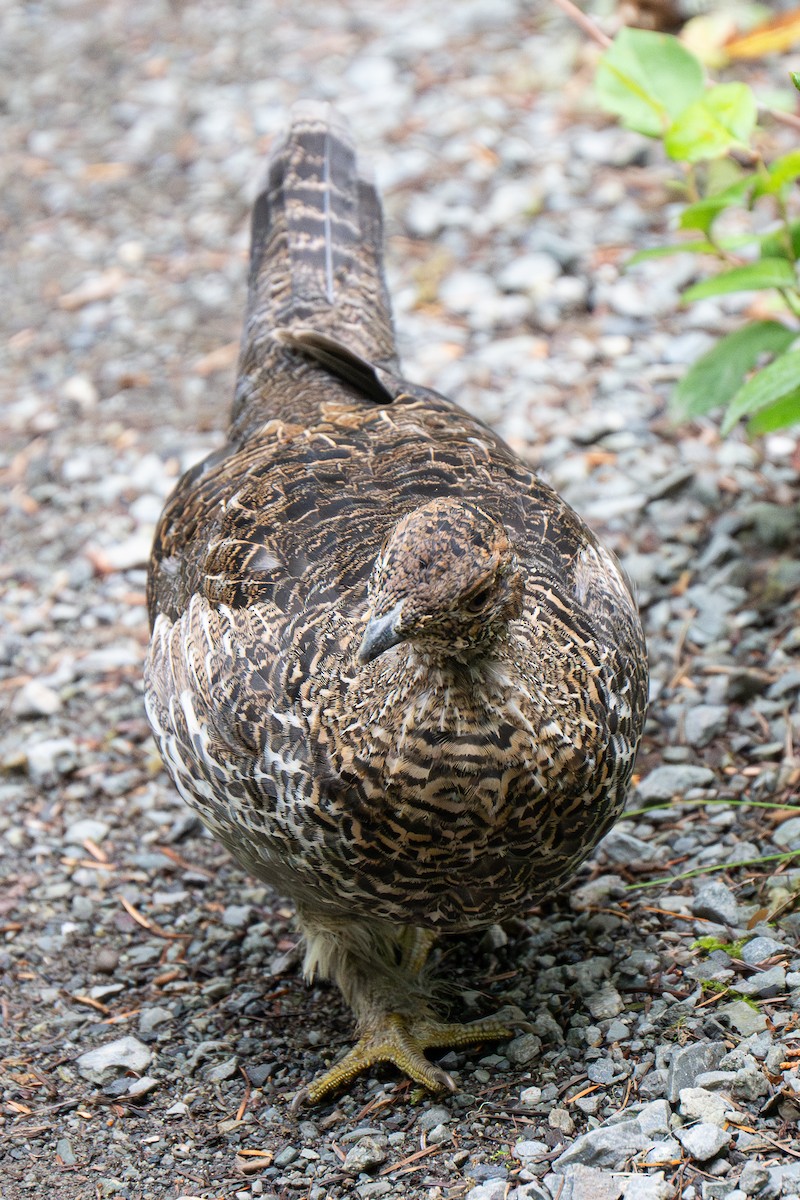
155	1026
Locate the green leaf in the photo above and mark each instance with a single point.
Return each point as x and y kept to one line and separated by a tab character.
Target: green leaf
647	80
766	273
702	214
780	415
780	174
720	120
776	244
775	382
795	78
665	251
718	374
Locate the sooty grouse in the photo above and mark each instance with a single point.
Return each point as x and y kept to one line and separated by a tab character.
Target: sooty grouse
391	669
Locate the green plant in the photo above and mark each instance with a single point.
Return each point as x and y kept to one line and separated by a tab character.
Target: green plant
655	86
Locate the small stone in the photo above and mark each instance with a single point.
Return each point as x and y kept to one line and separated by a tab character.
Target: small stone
523	1049
528	1151
493	1190
602	1070
586	1183
35	699
717	903
654	1085
124	1054
439	1134
140	1087
605	1003
764	984
673	780
87	830
560	1120
750	1084
65	1152
285	1157
654	1118
149	1018
648	1187
666	1150
431	1117
530	1096
610	1146
51	756
704	1141
81	391
178	1109
753	1178
237	916
744	1019
787	834
697	1104
106	960
760	948
223	1070
688	1062
711	1080
704	722
372	1188
367	1155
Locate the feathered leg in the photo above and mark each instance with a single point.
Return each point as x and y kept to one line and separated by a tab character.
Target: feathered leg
380	972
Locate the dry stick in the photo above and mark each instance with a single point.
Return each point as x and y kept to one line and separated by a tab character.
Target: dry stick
583	22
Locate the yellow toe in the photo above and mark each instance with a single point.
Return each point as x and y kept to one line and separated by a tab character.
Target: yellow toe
401	1039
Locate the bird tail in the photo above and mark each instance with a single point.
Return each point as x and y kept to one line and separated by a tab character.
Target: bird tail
316	251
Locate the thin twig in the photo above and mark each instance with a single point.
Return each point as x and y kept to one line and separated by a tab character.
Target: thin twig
583	22
785	118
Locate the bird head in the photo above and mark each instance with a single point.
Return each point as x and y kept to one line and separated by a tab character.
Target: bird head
446	580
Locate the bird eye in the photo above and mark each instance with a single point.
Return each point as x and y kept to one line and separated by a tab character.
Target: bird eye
479	600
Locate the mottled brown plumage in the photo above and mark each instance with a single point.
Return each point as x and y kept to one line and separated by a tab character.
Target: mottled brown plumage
392	670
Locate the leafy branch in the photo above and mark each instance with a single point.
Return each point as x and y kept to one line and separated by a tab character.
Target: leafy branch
656	87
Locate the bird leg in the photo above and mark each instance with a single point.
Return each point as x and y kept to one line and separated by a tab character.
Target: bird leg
394	1019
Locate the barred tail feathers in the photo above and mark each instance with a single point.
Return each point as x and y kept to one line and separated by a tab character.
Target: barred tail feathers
316	252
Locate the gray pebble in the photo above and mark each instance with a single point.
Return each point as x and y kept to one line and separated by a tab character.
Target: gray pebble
523	1049
690	1061
704	722
285	1157
87	829
753	1179
493	1190
51	756
605	1003
703	1141
654	1118
787	834
698	1104
124	1054
760	948
665	1150
744	1019
764	983
431	1117
65	1152
648	1187
149	1018
673	780
582	1182
223	1070
35	699
716	902
610	1146
367	1155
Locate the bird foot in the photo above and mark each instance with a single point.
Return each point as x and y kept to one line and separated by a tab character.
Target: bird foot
401	1040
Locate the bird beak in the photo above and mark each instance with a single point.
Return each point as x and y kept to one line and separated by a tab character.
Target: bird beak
381	634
